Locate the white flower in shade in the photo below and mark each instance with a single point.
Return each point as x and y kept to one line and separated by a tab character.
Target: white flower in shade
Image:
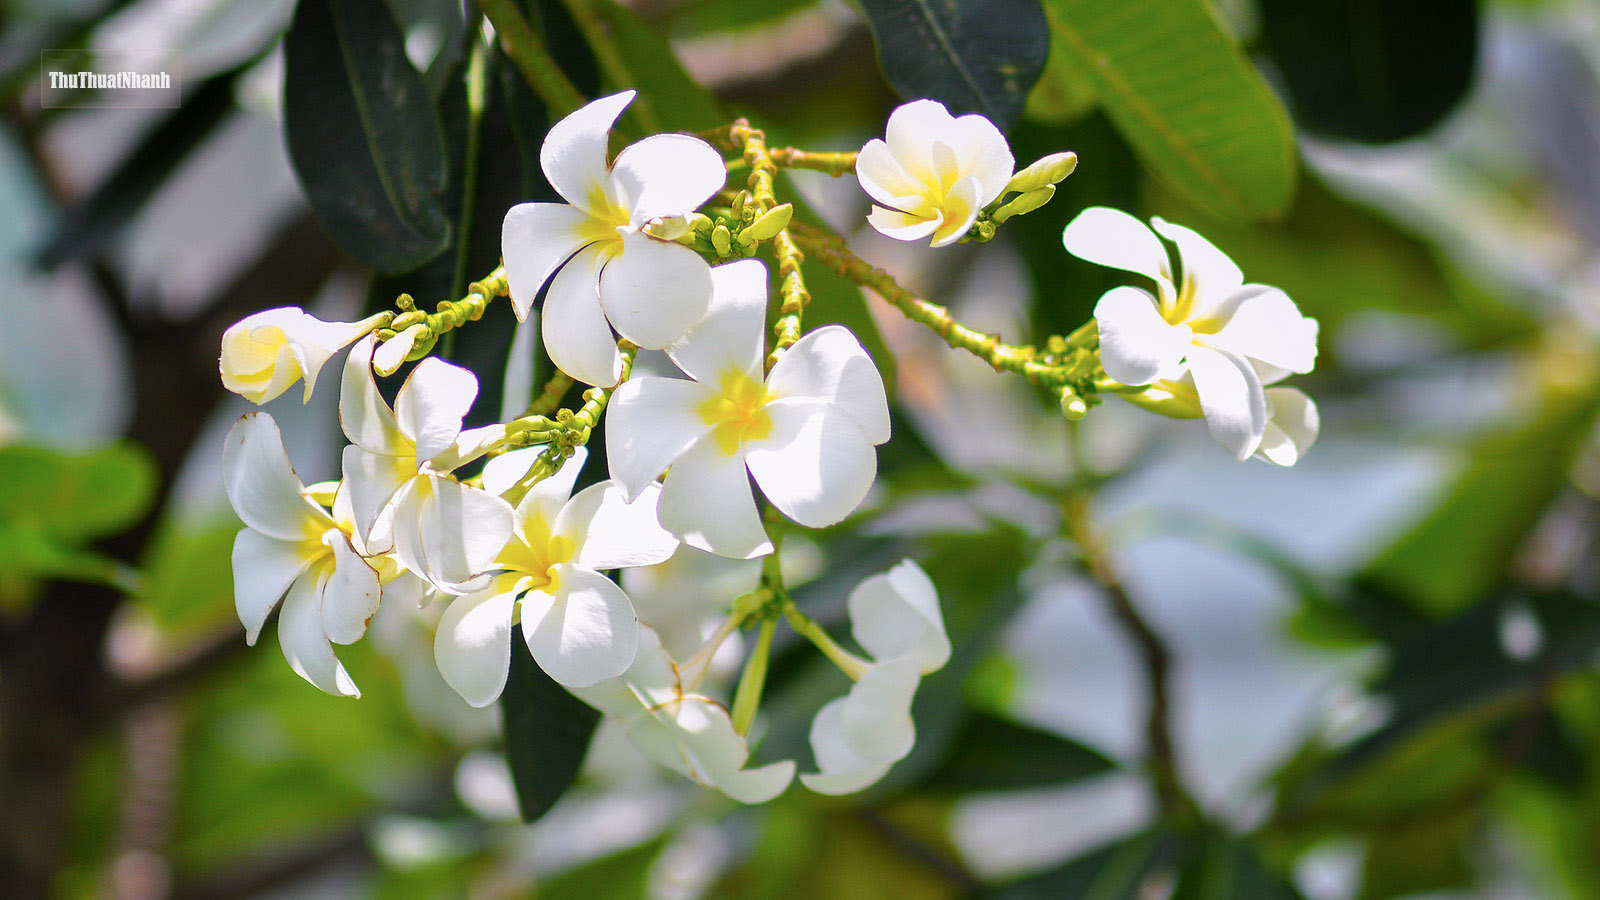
688	733
578	624
397	469
292	549
933	173
265	354
610	252
856	738
806	433
1230	337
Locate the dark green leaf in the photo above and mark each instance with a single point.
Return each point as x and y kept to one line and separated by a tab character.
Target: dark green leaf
1182	93
1121	871
363	135
669	100
1225	869
620	876
76	498
993	754
1369	70
979	56
547	732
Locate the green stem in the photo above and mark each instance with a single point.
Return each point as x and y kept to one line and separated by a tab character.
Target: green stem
549	399
748	696
469	175
811	631
792	286
834	164
528	53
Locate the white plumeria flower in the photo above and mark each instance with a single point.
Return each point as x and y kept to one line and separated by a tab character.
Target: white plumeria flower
806	433
1292	419
688	733
397	471
934	173
1230	337
610	252
292	549
265	354
895	617
578	624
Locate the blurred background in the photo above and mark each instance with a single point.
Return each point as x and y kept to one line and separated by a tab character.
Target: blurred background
1378	668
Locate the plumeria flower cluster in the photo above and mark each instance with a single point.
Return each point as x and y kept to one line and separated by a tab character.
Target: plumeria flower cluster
502	527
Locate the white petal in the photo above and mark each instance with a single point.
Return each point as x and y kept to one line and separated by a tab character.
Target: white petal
843	770
757	785
816	465
575	331
535	240
351	595
1292	428
903	226
881	176
731	335
654	291
650	681
432	403
447	533
261	483
610	532
263	568
830	364
983	154
472	647
912	129
366	418
574	153
305	645
666	175
650	422
1232	399
1207	272
583	634
505	470
1111	237
372	480
896	614
1137	346
1266	326
877	713
727	526
313	341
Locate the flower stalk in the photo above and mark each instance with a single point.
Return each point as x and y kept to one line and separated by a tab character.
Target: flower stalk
791	284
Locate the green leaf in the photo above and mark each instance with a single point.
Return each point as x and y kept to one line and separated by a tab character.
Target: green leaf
979	56
620	876
1116	872
1372	71
76	498
363	135
1460	550
547	732
1180	90
993	754
668	98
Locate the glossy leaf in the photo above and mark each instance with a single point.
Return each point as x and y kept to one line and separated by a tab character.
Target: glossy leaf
363	135
547	732
669	100
978	56
1185	97
1460	550
1372	71
76	498
993	754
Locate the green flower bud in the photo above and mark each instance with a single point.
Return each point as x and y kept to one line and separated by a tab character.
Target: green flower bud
1047	171
768	225
1024	203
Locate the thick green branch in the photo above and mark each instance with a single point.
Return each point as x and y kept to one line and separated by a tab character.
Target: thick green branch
834	164
792	286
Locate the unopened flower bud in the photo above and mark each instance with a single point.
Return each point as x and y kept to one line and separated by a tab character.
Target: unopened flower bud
1046	171
768	225
265	354
1024	203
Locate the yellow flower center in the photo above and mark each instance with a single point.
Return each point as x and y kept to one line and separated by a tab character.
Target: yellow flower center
538	556
738	411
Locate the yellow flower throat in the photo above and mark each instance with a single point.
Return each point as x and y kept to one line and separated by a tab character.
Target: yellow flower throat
738	412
